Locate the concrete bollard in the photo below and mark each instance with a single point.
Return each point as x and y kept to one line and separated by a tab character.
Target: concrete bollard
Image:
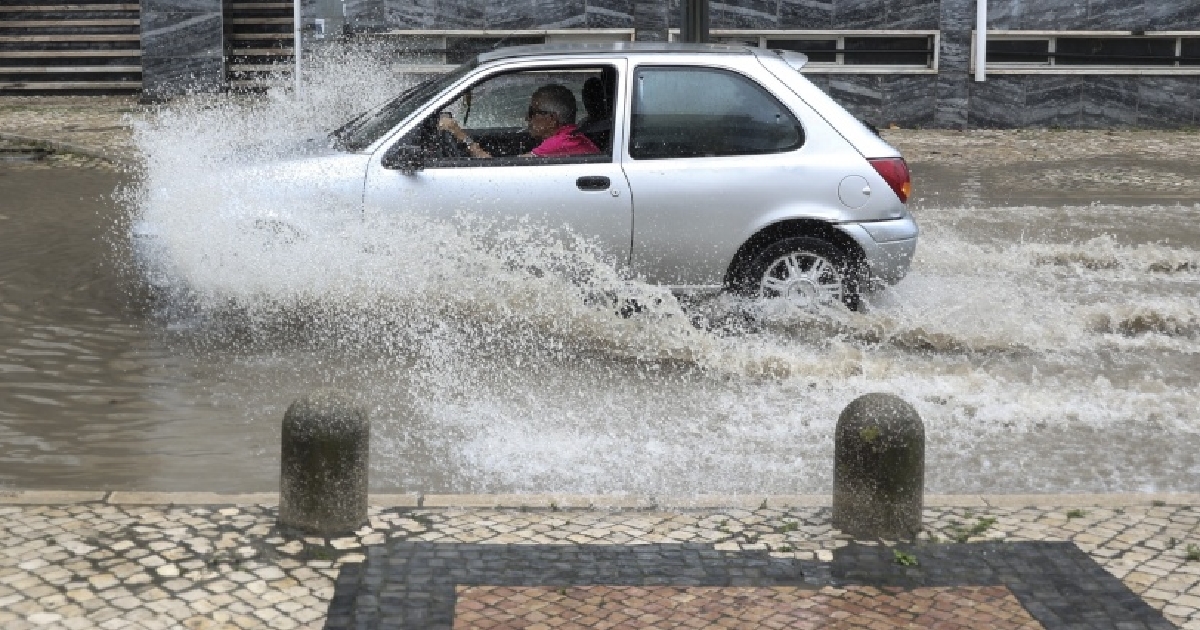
879	468
323	467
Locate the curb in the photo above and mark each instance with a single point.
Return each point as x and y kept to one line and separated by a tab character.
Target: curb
589	502
66	147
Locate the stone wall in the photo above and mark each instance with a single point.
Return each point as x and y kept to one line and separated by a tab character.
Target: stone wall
1070	101
651	18
181	42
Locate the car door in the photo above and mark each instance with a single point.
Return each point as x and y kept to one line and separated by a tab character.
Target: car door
711	155
587	196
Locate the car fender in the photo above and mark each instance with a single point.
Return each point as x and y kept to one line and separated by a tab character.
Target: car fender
804	219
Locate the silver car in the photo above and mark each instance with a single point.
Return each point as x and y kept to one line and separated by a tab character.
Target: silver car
704	167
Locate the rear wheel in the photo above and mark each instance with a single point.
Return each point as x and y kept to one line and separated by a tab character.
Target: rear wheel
806	272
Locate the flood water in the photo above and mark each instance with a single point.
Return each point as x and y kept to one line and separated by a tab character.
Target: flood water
1050	343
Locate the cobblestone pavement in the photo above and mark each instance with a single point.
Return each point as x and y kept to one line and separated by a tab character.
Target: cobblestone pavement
968	608
139	560
129	560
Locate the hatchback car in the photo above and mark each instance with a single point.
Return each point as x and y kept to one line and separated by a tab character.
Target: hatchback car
697	167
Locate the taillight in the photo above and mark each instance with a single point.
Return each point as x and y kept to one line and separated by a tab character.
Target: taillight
894	171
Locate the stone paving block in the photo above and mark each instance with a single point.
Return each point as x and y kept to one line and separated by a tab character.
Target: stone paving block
459	501
1143	542
536	501
800	500
192	498
711	501
1053	581
954	500
394	500
1086	500
749	608
616	502
48	497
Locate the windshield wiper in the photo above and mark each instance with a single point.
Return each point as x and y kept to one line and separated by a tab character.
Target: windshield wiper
340	132
353	124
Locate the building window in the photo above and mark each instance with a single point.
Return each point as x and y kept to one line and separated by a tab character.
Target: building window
461	48
888	51
1036	52
1115	51
1019	51
818	50
441	50
1189	51
845	52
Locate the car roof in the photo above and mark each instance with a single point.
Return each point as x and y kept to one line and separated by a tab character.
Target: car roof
568	49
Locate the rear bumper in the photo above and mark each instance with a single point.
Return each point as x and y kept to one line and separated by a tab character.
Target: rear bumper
887	246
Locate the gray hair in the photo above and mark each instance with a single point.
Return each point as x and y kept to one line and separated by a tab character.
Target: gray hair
558	100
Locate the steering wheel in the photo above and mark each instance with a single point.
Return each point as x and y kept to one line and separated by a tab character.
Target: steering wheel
445	145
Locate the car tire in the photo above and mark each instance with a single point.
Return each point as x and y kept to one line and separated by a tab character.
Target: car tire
807	271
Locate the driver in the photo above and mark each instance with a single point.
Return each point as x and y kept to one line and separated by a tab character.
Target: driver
551	120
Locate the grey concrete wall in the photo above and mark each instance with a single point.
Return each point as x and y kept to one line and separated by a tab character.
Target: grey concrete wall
951	96
499	14
954	100
1085	102
182	50
182	43
1081	101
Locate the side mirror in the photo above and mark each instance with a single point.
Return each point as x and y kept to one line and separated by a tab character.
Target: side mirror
406	158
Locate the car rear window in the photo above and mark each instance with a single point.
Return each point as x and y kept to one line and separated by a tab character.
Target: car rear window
705	112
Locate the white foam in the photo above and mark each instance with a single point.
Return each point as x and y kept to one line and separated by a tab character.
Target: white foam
503	363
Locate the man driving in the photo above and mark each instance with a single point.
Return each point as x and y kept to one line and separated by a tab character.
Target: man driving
550	120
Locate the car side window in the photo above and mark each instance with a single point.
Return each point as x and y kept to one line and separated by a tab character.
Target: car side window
703	112
537	116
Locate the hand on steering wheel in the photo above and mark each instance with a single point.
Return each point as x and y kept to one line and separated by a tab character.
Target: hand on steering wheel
446	122
447	143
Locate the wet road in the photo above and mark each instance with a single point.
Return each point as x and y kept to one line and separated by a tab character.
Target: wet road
1049	341
91	393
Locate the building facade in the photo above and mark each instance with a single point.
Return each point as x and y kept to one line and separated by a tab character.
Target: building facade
1051	63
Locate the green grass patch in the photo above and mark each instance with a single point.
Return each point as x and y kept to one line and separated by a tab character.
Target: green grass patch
961	533
904	558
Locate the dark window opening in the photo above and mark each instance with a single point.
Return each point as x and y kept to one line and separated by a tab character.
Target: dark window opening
461	49
1115	51
1018	51
818	50
1190	51
737	41
888	51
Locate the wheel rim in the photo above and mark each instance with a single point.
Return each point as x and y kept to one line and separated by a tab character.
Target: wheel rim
803	279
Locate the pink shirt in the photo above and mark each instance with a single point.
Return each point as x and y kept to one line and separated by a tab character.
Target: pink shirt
565	141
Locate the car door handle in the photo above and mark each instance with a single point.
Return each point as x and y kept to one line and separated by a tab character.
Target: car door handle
592	183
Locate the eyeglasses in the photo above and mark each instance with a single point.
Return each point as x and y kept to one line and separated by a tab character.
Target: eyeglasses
533	111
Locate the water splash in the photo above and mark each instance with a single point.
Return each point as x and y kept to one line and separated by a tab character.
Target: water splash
499	358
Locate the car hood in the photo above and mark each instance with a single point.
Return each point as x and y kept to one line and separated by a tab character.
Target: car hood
319	171
297	190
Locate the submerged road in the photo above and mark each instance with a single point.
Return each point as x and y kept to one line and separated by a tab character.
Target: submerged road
1047	334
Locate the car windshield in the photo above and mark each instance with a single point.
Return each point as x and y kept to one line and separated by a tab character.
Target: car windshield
359	132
